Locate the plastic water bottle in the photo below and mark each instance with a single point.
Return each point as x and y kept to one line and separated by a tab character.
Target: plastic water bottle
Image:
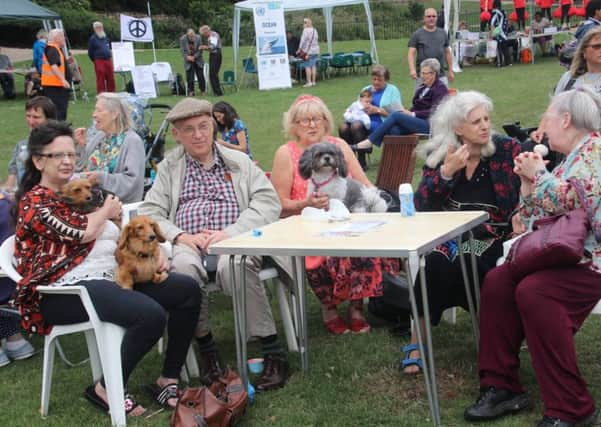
251	393
406	200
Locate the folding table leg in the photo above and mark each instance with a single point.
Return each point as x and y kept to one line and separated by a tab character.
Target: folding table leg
298	270
475	274
237	327
468	293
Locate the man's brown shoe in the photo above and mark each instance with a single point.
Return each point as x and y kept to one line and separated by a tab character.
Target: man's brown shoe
210	367
275	372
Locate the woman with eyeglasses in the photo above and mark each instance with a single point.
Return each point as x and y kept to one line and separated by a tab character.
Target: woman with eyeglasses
415	120
53	244
333	280
113	157
309	43
585	69
466	168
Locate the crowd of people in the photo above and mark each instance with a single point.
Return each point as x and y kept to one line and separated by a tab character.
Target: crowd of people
208	189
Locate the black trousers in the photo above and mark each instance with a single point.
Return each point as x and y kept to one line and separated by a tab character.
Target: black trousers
7	82
142	312
354	133
214	66
60	97
521	13
195	69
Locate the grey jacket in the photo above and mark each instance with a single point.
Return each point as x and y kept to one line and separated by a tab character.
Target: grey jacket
127	181
258	202
183	48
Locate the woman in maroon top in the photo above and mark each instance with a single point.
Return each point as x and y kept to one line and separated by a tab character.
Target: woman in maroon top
52	239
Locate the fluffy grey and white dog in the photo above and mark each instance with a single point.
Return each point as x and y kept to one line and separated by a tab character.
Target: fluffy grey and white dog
324	166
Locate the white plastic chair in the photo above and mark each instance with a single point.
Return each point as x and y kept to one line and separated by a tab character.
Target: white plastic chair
103	339
162	73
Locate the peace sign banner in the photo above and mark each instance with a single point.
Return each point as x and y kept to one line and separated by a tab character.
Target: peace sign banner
136	29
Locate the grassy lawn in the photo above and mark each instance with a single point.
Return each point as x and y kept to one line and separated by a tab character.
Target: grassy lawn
354	380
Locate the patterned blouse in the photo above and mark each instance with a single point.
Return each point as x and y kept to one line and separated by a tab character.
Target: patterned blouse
47	245
230	135
104	157
553	194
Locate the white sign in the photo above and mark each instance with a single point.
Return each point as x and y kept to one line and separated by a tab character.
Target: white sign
136	29
123	56
272	53
143	79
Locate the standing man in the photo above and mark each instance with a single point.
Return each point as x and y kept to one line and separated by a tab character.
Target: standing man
38	49
204	193
99	51
7	81
214	47
430	42
56	76
189	46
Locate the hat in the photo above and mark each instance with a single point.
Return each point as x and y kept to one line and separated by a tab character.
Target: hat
189	107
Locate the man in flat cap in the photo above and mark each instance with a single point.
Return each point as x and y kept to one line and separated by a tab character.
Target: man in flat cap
203	193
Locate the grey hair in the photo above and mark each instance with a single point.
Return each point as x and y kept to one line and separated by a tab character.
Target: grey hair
97	24
190	31
583	105
204	28
451	113
431	63
113	103
54	33
41	34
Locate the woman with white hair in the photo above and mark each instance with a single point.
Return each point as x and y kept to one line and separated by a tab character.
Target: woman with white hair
466	168
113	157
546	307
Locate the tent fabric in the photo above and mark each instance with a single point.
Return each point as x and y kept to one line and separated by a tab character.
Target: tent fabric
24	9
296	5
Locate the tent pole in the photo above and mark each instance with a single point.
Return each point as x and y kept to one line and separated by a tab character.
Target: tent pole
154	52
372	36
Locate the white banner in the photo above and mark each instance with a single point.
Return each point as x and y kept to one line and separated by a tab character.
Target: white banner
144	84
272	56
136	29
123	56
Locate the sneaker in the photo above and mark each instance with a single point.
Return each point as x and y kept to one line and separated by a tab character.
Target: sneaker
495	402
307	85
4	360
24	352
589	421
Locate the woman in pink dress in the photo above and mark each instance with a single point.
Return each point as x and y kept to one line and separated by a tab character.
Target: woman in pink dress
333	280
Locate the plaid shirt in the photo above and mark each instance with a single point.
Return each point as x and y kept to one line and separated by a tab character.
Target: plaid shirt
207	199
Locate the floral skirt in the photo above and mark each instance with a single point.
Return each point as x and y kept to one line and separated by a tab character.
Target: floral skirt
335	280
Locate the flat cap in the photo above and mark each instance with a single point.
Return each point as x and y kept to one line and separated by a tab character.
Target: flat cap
189	107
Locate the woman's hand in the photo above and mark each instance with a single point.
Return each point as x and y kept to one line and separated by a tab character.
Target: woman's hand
318	200
79	135
517	225
455	160
164	264
527	164
92	176
112	207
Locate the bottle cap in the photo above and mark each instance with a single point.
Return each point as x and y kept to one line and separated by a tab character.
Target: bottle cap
405	188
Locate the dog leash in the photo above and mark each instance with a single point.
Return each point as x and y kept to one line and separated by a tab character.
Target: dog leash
318	185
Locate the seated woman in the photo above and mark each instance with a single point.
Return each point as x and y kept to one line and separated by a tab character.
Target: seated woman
426	99
50	255
386	98
333	280
466	168
585	69
115	156
548	306
233	131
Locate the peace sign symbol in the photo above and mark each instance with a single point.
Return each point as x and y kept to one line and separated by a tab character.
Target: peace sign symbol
137	28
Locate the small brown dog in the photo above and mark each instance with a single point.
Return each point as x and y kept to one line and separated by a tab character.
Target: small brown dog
84	195
137	253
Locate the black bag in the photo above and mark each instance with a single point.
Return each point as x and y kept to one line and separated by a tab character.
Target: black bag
394	305
391	199
129	87
177	86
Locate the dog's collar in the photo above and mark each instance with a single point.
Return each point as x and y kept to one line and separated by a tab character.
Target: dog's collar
318	185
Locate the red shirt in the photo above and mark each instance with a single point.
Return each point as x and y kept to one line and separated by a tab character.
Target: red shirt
564	2
486	5
47	245
519	4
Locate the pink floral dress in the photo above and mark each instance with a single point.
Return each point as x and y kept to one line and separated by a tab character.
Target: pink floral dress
334	279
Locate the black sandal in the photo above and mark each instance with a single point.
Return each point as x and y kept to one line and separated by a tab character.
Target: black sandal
162	394
92	396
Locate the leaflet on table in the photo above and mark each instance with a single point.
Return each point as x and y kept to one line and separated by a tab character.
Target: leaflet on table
352	229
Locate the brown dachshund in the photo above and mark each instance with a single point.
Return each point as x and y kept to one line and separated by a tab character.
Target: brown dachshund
137	253
85	196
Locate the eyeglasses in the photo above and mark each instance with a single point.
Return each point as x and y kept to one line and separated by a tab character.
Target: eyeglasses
68	155
431	16
307	121
595	46
426	73
189	130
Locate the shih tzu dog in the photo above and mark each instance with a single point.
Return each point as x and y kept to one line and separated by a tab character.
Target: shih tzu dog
324	166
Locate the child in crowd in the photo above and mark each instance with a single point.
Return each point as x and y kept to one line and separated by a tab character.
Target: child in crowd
356	111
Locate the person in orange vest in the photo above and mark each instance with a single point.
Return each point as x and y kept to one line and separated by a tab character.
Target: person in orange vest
565	17
520	10
56	76
485	6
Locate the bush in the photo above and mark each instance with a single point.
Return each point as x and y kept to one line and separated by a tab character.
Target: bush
415	11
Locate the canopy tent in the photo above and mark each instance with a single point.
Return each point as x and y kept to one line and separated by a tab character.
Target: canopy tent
296	5
24	9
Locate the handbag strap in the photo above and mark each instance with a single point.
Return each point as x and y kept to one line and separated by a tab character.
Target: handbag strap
582	198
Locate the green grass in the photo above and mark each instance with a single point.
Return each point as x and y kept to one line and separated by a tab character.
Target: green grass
354	380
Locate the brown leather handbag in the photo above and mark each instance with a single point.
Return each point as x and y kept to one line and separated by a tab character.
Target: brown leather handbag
219	405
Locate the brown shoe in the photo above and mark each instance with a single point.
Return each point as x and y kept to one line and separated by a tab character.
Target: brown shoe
275	373
211	368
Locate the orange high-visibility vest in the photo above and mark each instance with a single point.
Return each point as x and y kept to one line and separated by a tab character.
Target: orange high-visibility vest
48	77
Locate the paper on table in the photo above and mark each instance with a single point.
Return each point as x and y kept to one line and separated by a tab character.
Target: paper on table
353	228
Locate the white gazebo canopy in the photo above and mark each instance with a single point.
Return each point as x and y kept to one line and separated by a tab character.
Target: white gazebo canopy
295	5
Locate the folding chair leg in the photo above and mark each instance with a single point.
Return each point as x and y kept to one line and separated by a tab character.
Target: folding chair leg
48	367
110	357
286	316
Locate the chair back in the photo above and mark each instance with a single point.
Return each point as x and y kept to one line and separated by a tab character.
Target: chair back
7	250
366	60
162	71
228	77
397	162
249	65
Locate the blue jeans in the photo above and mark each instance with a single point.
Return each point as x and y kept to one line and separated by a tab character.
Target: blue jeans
399	123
